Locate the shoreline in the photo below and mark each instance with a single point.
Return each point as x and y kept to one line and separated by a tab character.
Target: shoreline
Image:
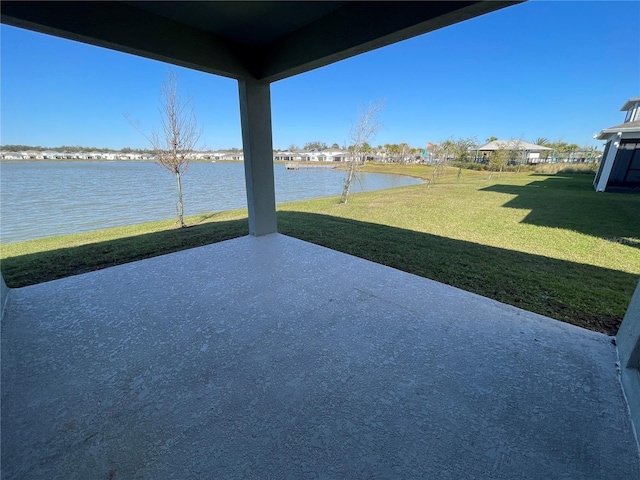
103	160
495	251
312	181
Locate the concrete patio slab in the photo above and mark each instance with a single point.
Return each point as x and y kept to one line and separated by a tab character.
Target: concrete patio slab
274	358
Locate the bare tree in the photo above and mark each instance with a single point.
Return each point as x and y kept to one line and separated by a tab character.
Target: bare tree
462	149
404	151
443	153
360	135
510	152
499	159
174	144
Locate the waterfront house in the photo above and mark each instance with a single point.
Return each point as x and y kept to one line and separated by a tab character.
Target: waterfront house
332	155
269	357
314	156
288	156
51	155
235	155
11	155
30	154
620	166
206	155
328	155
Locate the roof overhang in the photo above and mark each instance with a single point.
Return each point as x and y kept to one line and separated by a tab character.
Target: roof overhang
629	104
262	40
625	129
511	145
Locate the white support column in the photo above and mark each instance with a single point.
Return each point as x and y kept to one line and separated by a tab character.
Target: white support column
628	340
608	164
4	295
255	116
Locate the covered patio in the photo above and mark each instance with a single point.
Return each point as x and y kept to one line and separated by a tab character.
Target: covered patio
269	357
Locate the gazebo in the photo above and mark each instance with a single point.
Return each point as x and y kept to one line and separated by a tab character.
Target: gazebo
269	357
530	151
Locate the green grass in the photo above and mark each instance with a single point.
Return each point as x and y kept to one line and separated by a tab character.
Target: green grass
41	260
546	243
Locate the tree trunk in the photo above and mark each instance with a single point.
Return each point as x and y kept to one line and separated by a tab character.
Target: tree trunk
347	182
180	205
433	174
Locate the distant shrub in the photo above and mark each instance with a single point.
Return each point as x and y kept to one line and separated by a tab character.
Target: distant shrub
470	165
518	168
587	168
487	167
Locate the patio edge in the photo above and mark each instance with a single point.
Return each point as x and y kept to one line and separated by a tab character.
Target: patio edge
628	341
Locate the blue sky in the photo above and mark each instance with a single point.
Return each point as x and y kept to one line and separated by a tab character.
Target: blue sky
555	69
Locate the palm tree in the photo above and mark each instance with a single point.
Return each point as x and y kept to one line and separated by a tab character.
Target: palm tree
542	141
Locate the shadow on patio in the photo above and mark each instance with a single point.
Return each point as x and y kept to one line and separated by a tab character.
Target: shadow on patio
271	357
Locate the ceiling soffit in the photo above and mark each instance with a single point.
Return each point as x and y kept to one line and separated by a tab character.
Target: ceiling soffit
260	40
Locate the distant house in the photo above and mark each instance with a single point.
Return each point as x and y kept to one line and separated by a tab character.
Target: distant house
314	156
328	155
51	155
11	155
620	166
336	155
287	156
530	151
232	155
207	155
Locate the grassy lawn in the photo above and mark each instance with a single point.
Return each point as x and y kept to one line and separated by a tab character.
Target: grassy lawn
545	243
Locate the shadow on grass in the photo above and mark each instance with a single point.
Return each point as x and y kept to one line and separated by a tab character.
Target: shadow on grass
584	295
588	296
53	264
570	202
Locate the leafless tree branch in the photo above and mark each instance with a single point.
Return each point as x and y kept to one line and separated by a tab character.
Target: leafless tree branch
175	142
360	135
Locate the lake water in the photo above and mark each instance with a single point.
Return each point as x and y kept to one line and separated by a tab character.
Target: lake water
42	199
